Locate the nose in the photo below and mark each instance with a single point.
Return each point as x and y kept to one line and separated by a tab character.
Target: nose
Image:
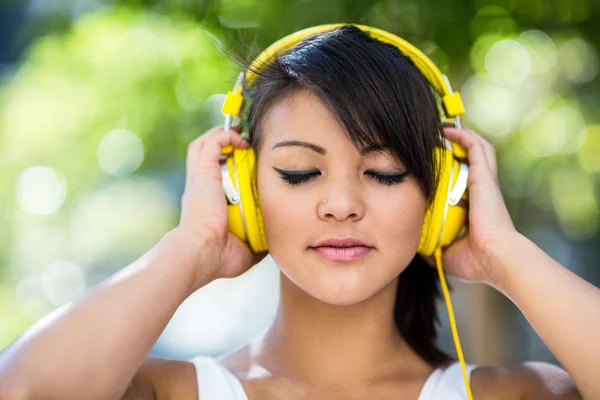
342	200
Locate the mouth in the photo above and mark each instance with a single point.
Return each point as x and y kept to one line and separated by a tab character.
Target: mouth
342	253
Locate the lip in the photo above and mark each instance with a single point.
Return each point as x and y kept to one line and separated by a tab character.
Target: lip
341	242
342	254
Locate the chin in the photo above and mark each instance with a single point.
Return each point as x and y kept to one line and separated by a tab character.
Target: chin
341	284
340	299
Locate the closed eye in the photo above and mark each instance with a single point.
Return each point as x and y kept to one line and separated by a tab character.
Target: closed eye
299	177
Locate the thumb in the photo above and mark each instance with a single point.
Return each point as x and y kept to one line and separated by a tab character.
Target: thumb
457	259
249	257
449	256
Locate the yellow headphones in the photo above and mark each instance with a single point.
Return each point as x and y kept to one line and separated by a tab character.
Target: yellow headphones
442	222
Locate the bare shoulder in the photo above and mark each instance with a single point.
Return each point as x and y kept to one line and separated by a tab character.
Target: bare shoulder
526	381
164	379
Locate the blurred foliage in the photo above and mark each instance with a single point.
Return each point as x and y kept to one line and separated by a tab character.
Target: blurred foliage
96	115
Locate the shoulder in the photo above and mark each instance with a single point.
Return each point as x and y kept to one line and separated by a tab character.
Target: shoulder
526	381
165	379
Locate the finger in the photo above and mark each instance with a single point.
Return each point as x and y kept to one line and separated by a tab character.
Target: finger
471	144
211	151
195	148
490	154
193	154
489	150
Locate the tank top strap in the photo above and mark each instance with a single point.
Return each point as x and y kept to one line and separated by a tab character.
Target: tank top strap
447	383
216	382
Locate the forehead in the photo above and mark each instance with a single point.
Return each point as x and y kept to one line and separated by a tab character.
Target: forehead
301	120
301	115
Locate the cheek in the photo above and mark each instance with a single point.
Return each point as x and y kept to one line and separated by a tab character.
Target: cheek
400	221
284	211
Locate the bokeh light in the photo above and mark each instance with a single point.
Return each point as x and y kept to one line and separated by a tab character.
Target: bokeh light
541	49
120	152
492	109
561	130
507	62
578	60
41	190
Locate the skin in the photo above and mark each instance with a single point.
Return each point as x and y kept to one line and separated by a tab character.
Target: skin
333	335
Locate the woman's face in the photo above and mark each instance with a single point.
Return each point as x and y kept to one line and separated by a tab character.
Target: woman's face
387	217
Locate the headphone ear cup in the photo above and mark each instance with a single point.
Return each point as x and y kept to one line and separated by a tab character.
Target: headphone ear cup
456	215
245	218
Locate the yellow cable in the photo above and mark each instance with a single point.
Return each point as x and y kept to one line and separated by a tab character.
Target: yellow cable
438	263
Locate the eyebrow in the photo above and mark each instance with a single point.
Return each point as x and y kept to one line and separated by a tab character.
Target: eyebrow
289	143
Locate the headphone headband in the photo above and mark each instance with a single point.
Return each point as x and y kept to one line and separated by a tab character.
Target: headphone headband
451	101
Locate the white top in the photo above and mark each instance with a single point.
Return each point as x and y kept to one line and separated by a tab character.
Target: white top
216	382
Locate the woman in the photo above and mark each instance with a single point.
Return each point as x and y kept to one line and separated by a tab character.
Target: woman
360	329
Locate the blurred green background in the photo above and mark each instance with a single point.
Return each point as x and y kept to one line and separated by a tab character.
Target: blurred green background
99	99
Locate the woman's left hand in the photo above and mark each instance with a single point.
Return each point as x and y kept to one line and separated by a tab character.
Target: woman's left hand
489	222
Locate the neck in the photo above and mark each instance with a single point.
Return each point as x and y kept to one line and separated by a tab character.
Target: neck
335	346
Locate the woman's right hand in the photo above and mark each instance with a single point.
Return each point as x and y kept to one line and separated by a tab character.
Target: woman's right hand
204	218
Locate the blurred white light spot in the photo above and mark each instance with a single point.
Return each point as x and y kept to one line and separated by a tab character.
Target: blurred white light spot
62	281
562	130
41	190
541	49
507	62
120	152
578	60
492	108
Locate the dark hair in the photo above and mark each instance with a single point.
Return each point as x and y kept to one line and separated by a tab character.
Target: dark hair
381	98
